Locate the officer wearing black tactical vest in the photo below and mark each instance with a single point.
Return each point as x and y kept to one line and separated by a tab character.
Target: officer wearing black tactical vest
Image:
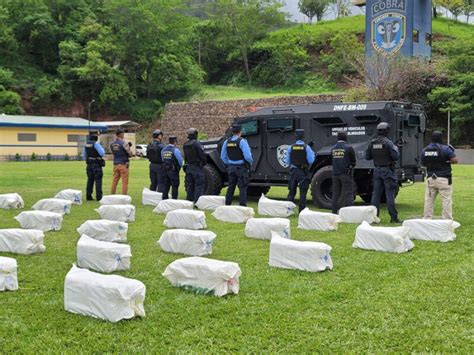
343	161
153	153
385	154
438	157
195	159
172	163
93	154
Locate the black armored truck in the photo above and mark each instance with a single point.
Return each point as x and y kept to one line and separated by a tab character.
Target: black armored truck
271	130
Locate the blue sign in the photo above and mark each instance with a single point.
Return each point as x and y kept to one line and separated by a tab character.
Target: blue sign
388	33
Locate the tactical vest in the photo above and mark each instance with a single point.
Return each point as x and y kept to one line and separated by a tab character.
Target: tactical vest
169	160
191	152
233	149
92	153
341	161
436	161
119	152
380	151
153	152
298	155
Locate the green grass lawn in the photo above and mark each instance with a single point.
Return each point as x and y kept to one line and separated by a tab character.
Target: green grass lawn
419	301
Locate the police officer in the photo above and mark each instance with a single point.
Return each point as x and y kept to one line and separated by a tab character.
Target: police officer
384	153
172	163
195	159
122	153
343	160
237	156
438	157
300	157
153	153
93	154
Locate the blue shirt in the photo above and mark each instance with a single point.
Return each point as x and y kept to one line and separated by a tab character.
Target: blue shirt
310	154
97	147
244	146
176	153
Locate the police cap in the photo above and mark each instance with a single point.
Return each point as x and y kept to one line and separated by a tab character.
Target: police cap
119	131
192	133
437	137
157	133
342	135
236	128
299	133
173	139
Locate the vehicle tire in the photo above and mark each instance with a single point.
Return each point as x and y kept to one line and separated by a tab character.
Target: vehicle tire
257	191
213	180
321	184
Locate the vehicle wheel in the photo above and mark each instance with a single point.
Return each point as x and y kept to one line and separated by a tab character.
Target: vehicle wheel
321	185
257	191
213	180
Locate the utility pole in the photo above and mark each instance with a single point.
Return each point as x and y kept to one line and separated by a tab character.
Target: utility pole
89	114
449	126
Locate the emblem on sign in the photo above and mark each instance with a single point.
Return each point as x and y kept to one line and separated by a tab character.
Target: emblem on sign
388	33
282	152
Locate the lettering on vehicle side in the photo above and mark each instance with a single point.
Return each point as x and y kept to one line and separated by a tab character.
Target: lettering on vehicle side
210	146
352	107
351	131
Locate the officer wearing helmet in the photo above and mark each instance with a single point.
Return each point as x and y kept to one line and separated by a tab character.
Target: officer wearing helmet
299	157
153	153
122	154
437	158
385	154
343	161
172	163
93	154
195	159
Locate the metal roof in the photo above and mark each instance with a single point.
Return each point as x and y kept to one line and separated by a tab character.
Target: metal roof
120	123
49	122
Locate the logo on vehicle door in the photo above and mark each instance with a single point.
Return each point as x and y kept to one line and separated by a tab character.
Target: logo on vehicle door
282	153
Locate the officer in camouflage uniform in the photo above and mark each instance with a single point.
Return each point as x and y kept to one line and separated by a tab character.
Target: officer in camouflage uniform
93	154
172	163
195	159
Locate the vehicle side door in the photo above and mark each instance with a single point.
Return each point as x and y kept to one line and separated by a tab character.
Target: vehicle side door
280	133
411	127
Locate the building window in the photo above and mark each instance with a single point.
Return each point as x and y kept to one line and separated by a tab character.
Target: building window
428	39
76	138
26	137
416	36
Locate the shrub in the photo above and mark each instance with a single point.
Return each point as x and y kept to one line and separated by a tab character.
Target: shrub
33	156
66	157
48	157
17	157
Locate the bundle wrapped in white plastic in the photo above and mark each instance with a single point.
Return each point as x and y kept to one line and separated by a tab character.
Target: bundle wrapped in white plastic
22	241
391	239
203	275
121	213
13	200
166	206
440	230
116	200
151	198
55	205
42	220
188	242
102	256
108	297
275	208
318	221
75	196
187	219
359	214
294	254
8	274
105	230
262	228
233	214
210	203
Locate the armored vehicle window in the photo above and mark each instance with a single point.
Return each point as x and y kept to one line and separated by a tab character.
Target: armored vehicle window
414	120
368	118
328	121
280	124
249	128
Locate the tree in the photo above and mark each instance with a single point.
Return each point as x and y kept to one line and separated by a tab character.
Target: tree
312	8
454	6
468	9
341	8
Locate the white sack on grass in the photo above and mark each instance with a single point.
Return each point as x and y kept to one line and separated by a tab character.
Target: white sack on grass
359	214
42	220
13	200
166	206
102	256
55	205
233	214
210	203
121	213
8	274
318	221
108	297
186	219
22	241
75	196
206	276
298	255
105	230
188	242
391	239
151	198
275	208
115	200
441	230
262	228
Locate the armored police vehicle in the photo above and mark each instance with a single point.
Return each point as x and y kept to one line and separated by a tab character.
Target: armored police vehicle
271	130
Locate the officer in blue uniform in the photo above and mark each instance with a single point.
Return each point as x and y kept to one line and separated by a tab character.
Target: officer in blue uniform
385	154
172	163
153	153
237	156
300	157
93	154
343	161
195	159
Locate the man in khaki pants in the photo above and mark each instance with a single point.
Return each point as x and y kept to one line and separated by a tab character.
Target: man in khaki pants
438	157
122	153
